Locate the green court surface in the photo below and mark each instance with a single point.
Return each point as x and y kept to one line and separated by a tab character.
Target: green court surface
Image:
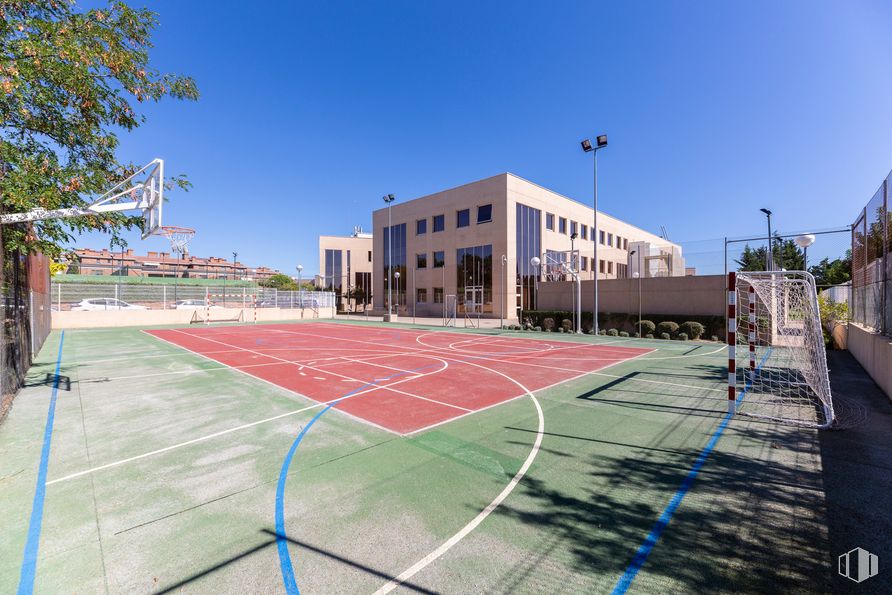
164	465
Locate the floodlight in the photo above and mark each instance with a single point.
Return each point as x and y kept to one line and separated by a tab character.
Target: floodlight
574	235
766	211
602	140
389	198
535	261
587	145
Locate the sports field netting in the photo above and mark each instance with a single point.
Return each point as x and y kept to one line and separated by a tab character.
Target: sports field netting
362	458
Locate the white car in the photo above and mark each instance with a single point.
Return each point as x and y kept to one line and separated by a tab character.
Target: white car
190	305
93	304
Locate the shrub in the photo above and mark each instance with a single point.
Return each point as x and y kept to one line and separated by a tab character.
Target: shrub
623	334
649	336
665	336
692	329
668	327
714	338
647	327
561	329
538	329
548	324
612	332
682	336
636	335
602	332
567	325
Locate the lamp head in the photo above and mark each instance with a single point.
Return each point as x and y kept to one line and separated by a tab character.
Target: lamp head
805	240
300	267
397	274
574	235
766	211
635	274
602	140
389	198
535	261
587	145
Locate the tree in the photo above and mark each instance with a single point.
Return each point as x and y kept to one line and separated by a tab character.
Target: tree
786	255
279	281
68	79
833	272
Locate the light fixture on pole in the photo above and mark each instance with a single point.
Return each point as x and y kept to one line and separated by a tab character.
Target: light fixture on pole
534	262
502	300
389	198
804	241
396	276
638	276
600	143
769	257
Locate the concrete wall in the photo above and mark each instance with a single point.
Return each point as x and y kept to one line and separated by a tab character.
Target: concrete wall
121	318
705	295
874	352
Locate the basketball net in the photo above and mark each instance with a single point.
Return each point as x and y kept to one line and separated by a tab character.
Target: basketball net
179	238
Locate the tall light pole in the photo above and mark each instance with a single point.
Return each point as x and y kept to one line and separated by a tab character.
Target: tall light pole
638	276
804	241
389	198
300	295
600	143
769	257
534	262
575	266
396	276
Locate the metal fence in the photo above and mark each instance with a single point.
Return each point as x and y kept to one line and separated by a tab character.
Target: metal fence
24	286
871	301
111	296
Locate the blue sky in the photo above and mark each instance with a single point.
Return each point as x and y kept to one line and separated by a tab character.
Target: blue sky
310	112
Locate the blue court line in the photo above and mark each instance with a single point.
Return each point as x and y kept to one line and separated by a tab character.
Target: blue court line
625	581
281	537
29	563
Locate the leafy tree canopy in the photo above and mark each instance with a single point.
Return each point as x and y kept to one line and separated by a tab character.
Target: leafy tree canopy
786	255
279	281
833	272
70	80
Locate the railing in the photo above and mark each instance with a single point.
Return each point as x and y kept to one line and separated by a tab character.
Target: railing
68	296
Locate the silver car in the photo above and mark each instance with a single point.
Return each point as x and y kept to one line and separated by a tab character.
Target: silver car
93	304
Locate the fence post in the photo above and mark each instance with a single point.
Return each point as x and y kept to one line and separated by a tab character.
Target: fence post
31	320
164	296
244	293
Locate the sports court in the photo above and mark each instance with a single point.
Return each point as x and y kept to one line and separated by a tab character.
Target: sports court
345	457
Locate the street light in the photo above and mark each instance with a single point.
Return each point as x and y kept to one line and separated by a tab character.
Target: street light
502	300
389	198
534	262
600	143
573	237
300	295
397	277
804	241
769	258
638	276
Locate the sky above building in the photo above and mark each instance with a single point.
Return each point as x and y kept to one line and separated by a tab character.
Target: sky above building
311	112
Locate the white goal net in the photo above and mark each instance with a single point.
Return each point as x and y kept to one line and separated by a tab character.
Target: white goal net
777	349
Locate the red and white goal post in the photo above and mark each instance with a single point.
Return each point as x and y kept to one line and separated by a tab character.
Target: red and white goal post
777	363
248	301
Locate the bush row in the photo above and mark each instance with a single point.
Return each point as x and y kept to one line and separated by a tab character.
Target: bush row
676	327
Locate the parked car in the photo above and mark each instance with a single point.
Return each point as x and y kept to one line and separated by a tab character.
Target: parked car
190	305
93	304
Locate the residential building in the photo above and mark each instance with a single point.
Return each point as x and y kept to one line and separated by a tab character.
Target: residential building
469	249
164	264
345	265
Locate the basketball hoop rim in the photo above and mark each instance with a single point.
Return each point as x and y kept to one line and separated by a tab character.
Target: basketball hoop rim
169	230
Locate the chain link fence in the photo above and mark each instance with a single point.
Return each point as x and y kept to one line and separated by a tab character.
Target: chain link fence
871	297
117	296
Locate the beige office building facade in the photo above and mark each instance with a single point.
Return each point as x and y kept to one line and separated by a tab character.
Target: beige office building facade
345	267
469	248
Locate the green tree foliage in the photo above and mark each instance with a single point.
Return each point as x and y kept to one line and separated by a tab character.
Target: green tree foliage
279	281
69	80
833	272
786	253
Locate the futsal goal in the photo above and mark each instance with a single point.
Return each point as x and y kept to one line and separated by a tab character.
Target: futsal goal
777	364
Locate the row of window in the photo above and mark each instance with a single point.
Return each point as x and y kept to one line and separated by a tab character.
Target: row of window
606	239
462	219
439	260
421	295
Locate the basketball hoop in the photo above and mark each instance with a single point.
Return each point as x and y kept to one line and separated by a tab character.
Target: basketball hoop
179	237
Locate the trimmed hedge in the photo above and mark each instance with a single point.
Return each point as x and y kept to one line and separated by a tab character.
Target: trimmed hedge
612	332
682	336
668	327
665	336
712	325
692	329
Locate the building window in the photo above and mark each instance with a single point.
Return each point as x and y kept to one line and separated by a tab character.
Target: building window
395	237
370	256
619	242
610	239
562	225
473	278
609	267
421	227
421	295
484	214
549	221
625	243
421	261
527	245
333	270
622	271
584	266
463	218
439	259
439	223
584	233
601	237
601	266
438	295
574	227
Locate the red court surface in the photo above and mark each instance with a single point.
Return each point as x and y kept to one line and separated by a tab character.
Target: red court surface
401	380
